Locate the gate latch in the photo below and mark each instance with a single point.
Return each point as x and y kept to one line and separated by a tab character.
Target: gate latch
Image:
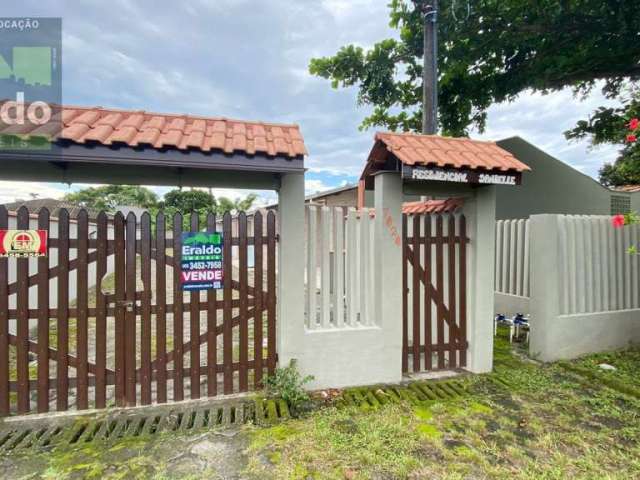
128	304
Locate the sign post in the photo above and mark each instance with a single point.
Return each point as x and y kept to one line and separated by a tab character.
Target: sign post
201	261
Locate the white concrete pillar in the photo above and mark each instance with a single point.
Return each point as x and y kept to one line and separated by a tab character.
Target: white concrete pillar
290	323
481	216
544	304
388	257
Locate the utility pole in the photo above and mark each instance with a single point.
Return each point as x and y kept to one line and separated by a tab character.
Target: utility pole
430	68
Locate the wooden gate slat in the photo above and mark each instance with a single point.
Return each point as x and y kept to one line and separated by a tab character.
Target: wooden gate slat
271	289
101	311
212	323
178	298
22	350
428	304
405	297
120	278
43	319
194	328
145	320
416	296
4	323
463	291
62	364
452	290
440	287
227	339
243	382
161	309
82	335
130	314
257	293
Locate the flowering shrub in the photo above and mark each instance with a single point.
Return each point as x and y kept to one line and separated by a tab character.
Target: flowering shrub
619	221
632	136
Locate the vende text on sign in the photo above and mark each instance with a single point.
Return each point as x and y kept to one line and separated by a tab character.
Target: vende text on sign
201	261
460	175
23	243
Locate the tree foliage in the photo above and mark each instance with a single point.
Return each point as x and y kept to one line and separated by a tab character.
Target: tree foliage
201	203
608	125
189	200
109	197
490	54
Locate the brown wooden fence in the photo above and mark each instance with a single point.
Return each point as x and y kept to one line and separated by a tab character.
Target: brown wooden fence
126	341
434	320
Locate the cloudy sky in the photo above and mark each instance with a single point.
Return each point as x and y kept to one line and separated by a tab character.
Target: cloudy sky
248	59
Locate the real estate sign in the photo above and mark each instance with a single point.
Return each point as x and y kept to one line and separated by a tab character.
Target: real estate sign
201	261
23	243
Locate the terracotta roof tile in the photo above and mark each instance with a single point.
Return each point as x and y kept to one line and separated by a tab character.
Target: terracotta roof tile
148	136
626	188
124	134
414	149
135	127
450	205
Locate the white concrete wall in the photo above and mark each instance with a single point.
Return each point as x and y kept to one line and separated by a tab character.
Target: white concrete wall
512	257
571	336
480	211
339	273
367	351
510	304
512	265
584	286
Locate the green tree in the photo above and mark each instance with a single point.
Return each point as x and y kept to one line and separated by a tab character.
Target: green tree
491	53
202	203
609	125
189	200
237	205
109	197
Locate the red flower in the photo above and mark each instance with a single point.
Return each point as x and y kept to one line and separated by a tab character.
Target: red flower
618	221
631	138
634	123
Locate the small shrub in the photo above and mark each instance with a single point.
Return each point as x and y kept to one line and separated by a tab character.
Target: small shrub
287	384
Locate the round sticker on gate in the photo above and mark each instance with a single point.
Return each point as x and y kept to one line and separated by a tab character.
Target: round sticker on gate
23	243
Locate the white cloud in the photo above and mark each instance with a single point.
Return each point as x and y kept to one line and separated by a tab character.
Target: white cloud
315	186
247	59
13	191
543	119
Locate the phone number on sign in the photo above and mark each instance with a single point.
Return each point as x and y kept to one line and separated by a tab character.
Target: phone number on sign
201	265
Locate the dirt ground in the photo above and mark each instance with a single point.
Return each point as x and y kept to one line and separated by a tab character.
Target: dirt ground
214	454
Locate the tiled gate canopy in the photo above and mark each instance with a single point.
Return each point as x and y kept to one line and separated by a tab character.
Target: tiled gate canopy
135	128
435	151
86	142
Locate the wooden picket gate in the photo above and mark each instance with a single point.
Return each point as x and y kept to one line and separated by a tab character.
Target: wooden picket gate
434	320
129	346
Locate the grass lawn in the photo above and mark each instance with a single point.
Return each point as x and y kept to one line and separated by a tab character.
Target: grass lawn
525	421
522	421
